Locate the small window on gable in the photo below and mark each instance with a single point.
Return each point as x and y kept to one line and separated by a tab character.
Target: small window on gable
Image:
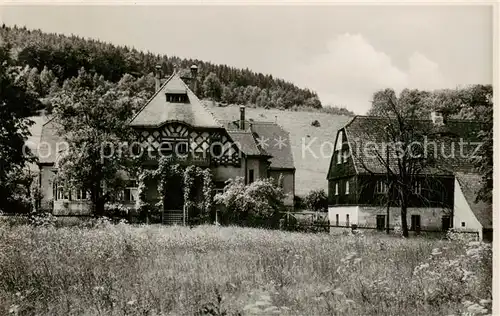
336	189
339	157
347	187
381	187
340	140
176	98
417	187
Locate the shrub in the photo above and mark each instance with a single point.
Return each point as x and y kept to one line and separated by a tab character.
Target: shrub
253	204
316	200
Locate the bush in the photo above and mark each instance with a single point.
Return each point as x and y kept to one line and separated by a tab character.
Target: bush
256	204
316	200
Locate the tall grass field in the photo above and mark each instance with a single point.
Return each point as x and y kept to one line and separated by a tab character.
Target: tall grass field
209	270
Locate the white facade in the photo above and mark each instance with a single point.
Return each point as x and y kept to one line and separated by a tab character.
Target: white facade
463	217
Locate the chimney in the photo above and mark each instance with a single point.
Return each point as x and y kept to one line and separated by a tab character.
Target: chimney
157	77
194	74
242	117
437	118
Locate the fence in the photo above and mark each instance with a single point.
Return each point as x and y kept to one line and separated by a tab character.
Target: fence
323	226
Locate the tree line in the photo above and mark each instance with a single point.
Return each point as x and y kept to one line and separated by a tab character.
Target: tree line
63	56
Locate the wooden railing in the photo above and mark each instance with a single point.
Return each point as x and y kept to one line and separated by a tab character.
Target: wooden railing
190	159
173	217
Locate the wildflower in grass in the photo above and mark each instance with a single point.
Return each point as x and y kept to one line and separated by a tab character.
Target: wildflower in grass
14	309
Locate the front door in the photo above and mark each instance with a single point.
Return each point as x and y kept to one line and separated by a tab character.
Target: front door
380	222
415	223
173	212
445	223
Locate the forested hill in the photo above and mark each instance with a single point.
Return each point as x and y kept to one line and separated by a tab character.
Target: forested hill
62	57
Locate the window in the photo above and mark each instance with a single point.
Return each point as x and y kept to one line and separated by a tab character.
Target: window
176	98
463	224
380	222
250	176
181	148
340	141
339	157
345	155
54	190
130	191
60	193
336	219
81	195
336	189
347	220
381	187
166	148
217	150
347	187
417	187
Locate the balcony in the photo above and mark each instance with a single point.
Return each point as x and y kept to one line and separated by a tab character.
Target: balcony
197	159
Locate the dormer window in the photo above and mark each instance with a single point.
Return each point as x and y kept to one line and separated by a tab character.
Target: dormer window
176	98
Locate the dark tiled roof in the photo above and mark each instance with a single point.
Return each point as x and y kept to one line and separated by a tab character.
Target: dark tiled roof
274	140
278	145
247	143
158	111
471	183
367	139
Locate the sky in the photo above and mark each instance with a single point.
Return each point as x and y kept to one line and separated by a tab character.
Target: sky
344	53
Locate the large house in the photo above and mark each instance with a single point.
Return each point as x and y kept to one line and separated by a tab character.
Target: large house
174	117
443	194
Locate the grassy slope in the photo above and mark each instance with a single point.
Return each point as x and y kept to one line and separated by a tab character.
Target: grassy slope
311	172
155	270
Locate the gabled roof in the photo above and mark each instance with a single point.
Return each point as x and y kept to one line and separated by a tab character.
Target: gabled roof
247	143
274	141
158	111
367	138
471	183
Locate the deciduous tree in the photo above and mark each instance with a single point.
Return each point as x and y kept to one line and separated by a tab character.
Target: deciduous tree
92	117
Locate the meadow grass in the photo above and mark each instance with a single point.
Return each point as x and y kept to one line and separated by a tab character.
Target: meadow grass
157	270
